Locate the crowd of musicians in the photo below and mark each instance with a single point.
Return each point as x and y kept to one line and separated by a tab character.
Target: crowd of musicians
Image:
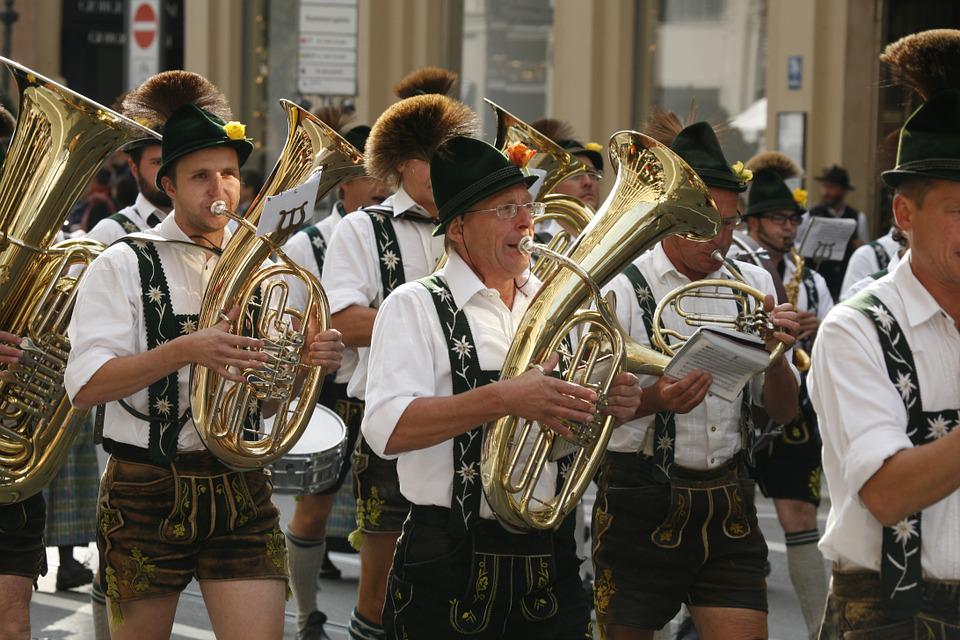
861	395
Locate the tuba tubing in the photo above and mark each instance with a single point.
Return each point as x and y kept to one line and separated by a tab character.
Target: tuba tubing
655	194
60	139
220	407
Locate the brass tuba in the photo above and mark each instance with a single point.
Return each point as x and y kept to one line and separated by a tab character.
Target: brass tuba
220	407
656	194
557	165
60	140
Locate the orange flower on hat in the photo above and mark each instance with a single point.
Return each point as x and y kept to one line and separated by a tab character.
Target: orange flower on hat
519	154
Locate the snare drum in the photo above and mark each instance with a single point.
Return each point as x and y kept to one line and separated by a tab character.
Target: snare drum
313	464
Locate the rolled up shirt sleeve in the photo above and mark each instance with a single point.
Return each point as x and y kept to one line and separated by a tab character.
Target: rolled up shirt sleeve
407	358
862	418
104	323
349	277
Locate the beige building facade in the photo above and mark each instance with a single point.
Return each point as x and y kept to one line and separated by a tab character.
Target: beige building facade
598	64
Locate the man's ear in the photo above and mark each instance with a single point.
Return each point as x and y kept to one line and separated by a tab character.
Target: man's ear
454	229
134	169
168	187
903	212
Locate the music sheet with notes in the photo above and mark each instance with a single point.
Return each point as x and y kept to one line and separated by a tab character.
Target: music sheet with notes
289	209
732	359
826	238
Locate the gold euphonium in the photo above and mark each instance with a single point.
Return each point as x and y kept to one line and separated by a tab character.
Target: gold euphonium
656	194
220	407
556	165
60	140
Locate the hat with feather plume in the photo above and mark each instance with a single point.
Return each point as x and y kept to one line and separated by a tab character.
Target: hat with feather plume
768	189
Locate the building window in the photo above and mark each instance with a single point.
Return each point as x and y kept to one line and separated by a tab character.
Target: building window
691	10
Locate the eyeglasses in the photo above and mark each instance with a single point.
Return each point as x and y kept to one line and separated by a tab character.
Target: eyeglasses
781	219
507	211
731	223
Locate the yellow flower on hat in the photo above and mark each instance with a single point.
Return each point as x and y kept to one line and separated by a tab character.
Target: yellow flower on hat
235	130
800	197
743	174
594	146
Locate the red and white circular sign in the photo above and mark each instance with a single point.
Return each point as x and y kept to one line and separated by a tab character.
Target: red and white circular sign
144	25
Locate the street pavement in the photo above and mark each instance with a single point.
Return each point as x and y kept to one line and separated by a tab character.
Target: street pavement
65	615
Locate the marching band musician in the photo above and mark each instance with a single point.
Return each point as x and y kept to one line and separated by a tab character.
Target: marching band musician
457	573
170	511
152	204
671	523
788	467
884	383
372	252
583	186
306	534
23	556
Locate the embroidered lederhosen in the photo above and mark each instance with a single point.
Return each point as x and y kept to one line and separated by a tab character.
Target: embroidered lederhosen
900	563
882	258
490	559
669	533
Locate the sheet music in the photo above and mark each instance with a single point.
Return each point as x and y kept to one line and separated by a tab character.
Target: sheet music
826	238
287	210
731	362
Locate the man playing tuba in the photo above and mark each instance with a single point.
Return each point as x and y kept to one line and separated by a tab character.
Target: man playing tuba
672	524
457	572
170	511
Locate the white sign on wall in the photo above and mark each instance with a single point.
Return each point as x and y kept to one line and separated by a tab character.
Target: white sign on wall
327	63
143	40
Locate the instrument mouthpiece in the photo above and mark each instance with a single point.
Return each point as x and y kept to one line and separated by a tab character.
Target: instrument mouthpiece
219	208
526	245
716	255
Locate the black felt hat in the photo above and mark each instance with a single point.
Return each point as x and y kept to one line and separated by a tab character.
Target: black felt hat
464	171
930	142
592	150
697	144
836	175
191	129
357	136
768	189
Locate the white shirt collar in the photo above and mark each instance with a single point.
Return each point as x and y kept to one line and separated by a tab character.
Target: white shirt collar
918	303
464	283
402	202
144	208
663	266
170	230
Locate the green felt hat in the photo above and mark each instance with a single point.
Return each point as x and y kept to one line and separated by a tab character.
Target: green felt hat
464	171
191	128
357	136
697	144
575	148
930	142
769	192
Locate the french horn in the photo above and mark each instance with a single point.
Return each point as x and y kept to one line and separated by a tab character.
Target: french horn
59	142
221	408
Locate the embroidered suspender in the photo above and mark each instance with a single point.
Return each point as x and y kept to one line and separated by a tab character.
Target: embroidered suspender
318	244
900	563
665	425
391	260
467	374
161	326
882	258
124	221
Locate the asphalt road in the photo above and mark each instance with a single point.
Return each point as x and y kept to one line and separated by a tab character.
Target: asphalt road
65	615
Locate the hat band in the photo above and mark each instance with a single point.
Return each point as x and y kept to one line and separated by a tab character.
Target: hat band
930	164
477	187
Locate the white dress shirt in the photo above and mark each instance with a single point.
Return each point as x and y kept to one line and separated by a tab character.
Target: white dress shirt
863	421
709	435
109	231
351	270
107	323
416	364
299	248
863	263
